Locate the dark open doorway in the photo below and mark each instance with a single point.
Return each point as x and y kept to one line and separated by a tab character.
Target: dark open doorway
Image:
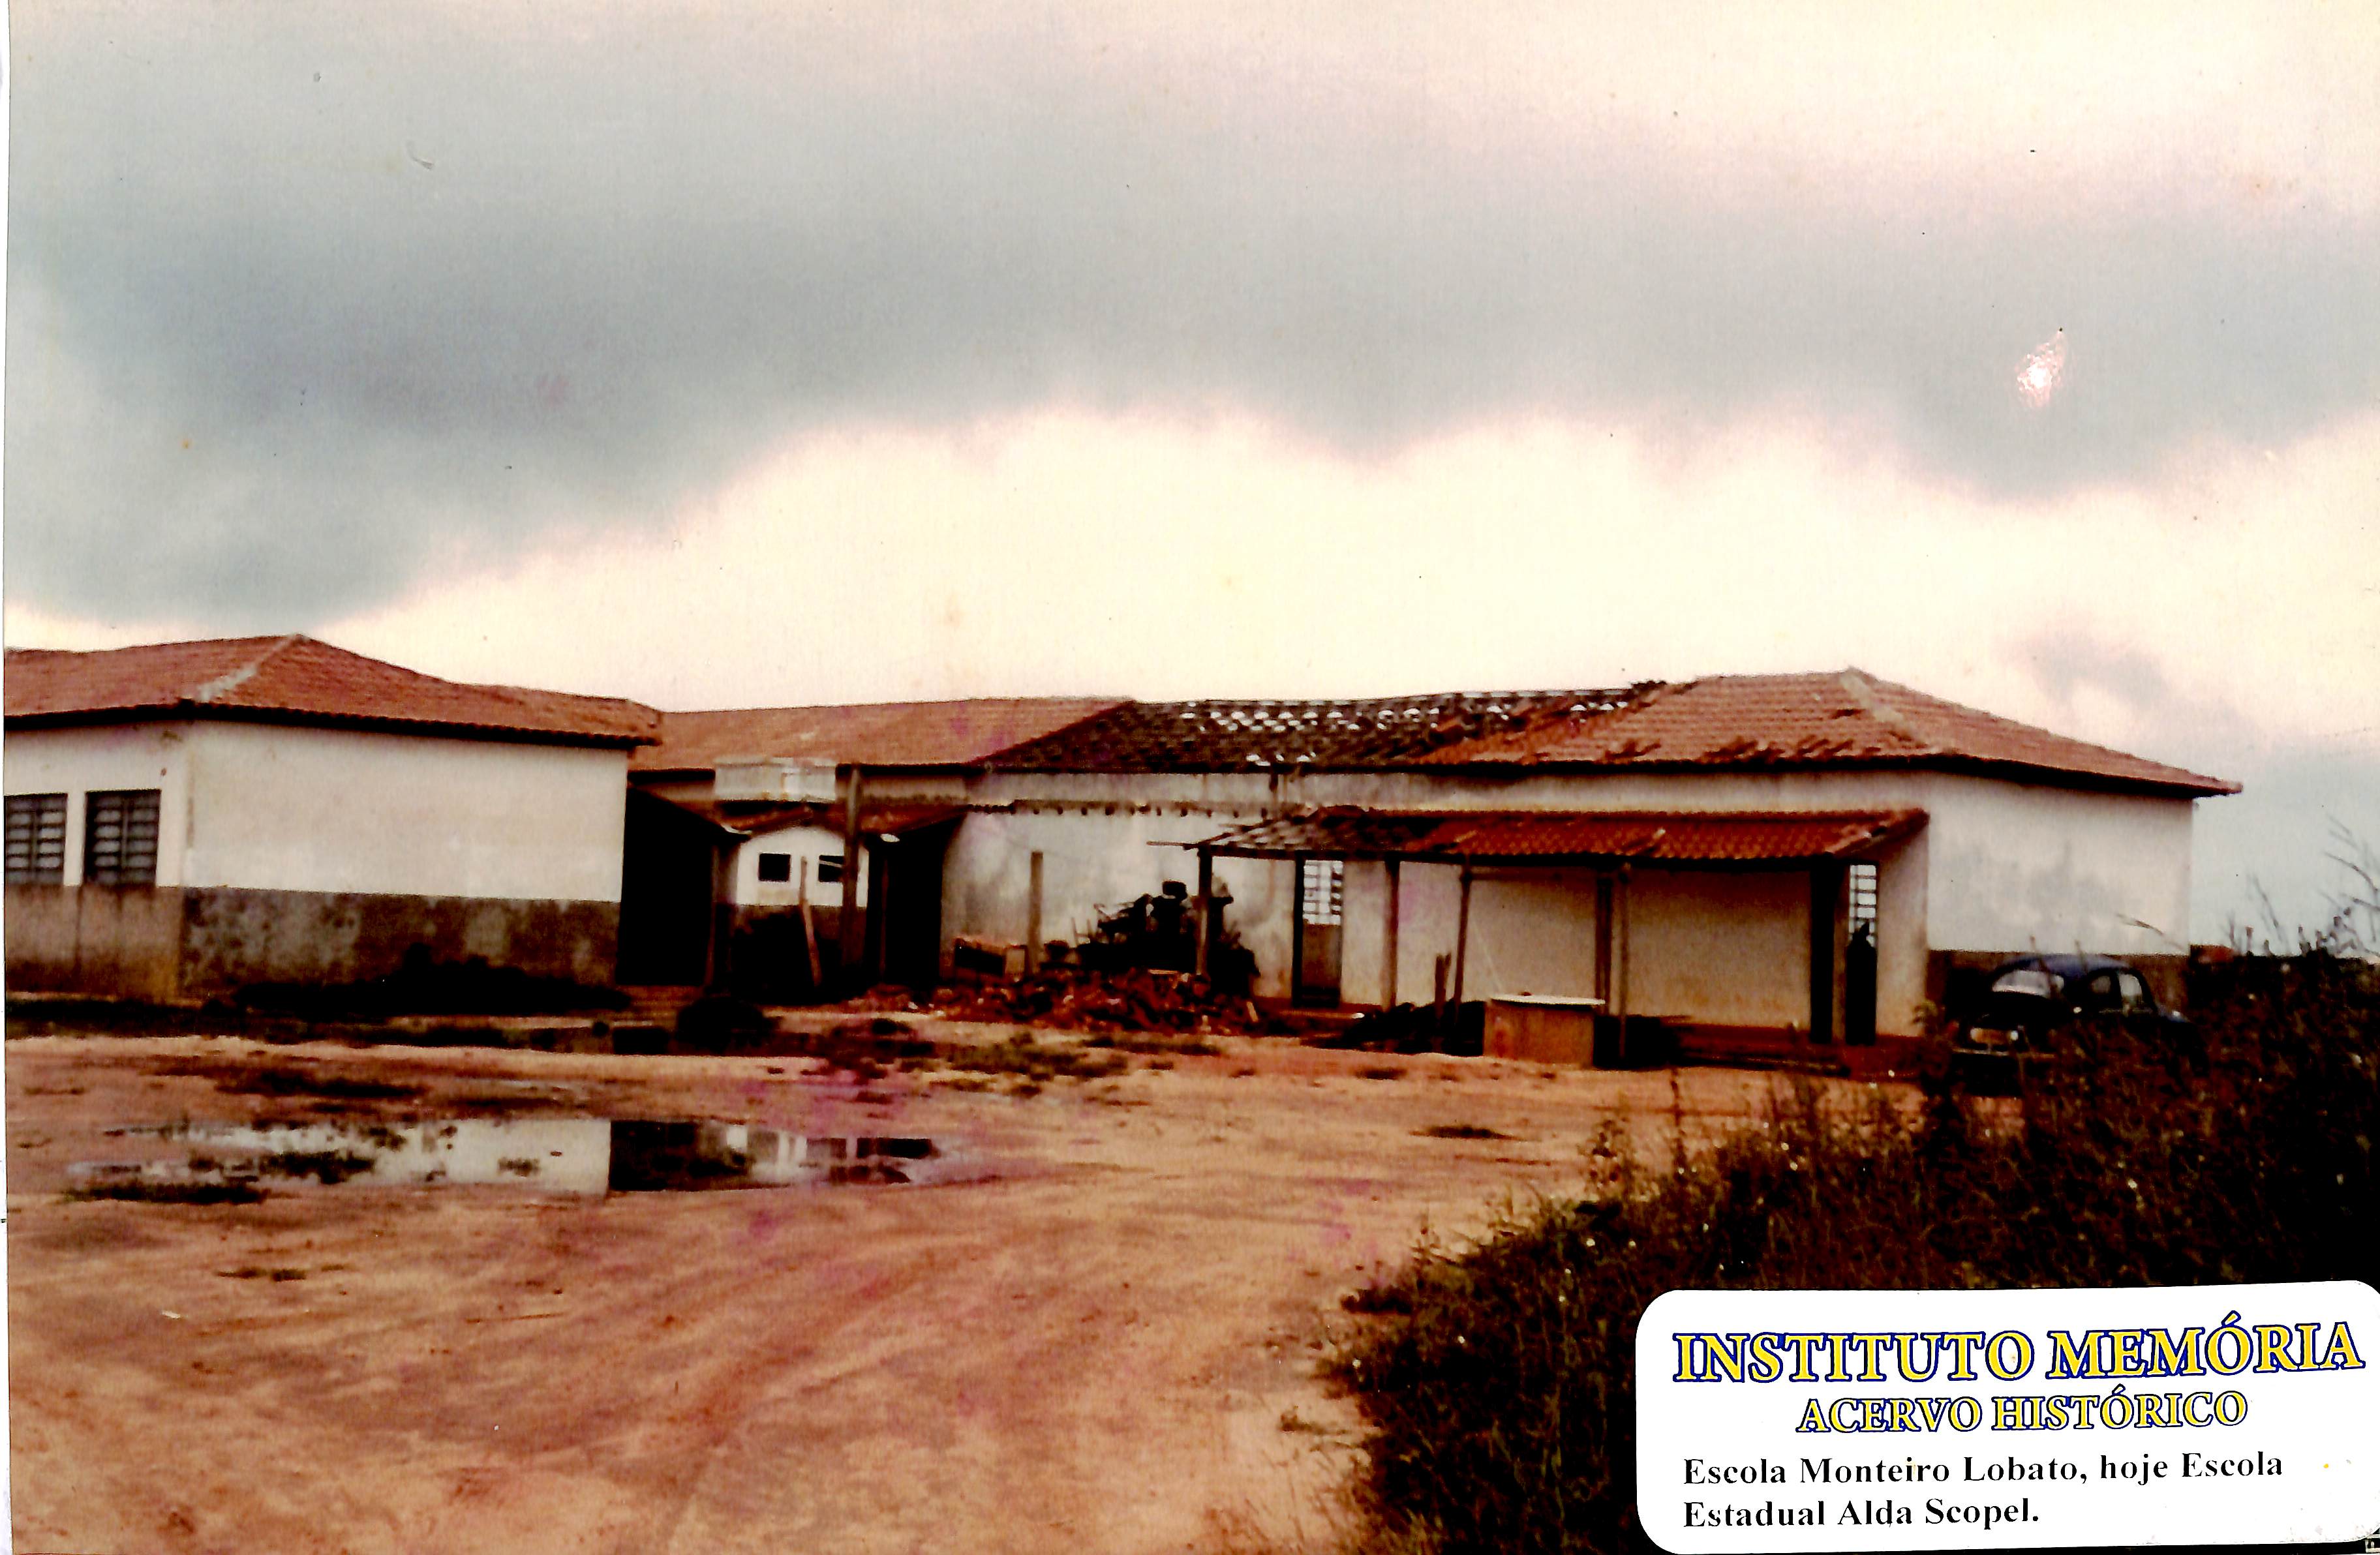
668	887
1859	955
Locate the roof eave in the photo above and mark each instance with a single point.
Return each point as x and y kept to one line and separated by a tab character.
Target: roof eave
164	712
2190	786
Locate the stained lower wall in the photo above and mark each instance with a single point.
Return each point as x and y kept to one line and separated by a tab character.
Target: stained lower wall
114	941
231	937
196	942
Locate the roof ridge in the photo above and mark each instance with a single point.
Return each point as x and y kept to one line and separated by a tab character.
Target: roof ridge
1102	702
233	679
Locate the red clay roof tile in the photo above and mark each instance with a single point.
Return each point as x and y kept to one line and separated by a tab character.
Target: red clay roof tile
957	734
1653	837
298	679
1812	720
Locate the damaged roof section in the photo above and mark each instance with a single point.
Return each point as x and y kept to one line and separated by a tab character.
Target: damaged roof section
1681	838
297	679
1851	719
1219	736
911	735
751	819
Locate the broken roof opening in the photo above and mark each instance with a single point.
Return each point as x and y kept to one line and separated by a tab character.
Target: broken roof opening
1240	736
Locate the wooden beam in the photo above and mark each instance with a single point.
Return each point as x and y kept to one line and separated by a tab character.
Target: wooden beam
851	920
1603	927
1033	913
1205	907
1621	893
1462	937
1389	996
810	936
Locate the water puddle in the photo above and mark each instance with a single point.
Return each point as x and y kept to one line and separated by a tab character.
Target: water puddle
557	1155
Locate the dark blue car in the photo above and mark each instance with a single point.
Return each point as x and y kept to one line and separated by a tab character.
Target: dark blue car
2031	996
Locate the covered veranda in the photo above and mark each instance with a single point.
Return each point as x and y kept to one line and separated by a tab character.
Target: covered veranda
1759	923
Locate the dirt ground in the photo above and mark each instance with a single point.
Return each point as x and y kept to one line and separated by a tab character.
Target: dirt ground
1104	1344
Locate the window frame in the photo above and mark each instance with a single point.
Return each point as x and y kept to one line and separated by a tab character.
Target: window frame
38	810
134	810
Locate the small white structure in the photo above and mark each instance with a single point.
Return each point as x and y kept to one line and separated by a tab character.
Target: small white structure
743	839
187	819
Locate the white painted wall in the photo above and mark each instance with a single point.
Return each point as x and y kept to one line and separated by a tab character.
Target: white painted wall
1727	949
339	810
1904	934
1721	949
77	761
2000	866
807	845
1092	858
2016	868
1530	932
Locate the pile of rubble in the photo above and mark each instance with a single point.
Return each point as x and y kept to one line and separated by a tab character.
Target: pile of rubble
1124	999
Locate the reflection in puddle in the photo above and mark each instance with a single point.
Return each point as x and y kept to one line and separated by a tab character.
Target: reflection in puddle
561	1155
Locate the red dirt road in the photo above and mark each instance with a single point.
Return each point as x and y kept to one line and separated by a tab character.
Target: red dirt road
1105	1345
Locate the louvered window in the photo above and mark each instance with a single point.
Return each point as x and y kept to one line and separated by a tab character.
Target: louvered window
1324	889
37	839
1863	899
119	838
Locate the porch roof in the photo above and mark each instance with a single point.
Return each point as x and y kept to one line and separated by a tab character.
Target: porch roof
1678	838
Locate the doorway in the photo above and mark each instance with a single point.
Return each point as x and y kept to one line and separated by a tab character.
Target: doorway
1320	902
1859	955
668	893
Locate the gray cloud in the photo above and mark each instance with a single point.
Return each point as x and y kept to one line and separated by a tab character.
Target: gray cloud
409	297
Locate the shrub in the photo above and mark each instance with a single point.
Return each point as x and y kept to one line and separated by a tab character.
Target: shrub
1496	1382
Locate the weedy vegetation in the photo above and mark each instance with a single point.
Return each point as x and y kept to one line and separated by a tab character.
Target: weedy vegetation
1495	1380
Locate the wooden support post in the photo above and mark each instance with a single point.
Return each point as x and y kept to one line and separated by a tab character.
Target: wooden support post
1620	967
1033	913
716	949
1603	930
851	919
1389	994
1205	908
1826	961
1462	937
809	935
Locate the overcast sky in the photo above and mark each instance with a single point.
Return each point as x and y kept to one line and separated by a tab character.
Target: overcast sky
772	354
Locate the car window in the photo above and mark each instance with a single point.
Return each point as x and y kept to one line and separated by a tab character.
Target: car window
2101	994
2135	995
2028	980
